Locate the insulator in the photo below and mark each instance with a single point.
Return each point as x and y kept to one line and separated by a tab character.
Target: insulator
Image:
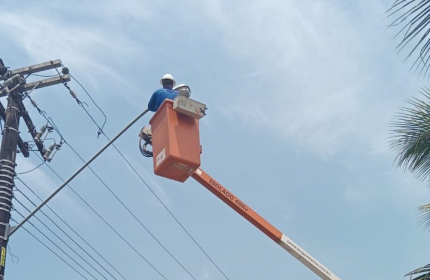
48	152
72	93
40	133
33	103
65	70
9	81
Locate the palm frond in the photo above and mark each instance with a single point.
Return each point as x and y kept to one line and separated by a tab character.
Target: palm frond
424	216
412	18
422	272
410	136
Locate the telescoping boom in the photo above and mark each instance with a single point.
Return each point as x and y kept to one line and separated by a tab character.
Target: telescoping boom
174	136
240	207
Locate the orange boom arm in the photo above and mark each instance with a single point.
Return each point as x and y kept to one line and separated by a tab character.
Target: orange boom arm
245	211
239	206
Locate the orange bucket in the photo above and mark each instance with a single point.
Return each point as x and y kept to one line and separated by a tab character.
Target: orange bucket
175	143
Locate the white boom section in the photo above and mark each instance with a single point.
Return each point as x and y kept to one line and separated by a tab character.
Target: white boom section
306	259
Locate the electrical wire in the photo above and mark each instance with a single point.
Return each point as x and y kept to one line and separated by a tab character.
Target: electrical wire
59	238
51	122
43	76
13	256
82	103
65	233
134	216
146	137
135	171
52	251
158	198
61	219
27	93
20	173
58	247
170	212
101	129
109	225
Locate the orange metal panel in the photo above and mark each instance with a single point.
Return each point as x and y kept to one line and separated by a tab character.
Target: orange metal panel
238	205
175	143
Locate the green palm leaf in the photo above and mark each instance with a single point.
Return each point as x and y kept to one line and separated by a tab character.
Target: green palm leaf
424	216
410	137
410	140
422	272
412	18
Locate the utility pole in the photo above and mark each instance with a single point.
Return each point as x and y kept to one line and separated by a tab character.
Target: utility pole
14	88
7	171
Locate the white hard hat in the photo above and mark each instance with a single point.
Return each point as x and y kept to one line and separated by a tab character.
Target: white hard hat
183	90
168	77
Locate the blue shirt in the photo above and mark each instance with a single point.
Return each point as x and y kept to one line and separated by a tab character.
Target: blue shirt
159	96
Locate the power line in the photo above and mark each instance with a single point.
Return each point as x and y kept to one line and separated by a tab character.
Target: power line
56	245
12	255
168	210
95	103
52	251
20	173
152	191
25	219
82	103
65	233
51	122
109	225
83	239
44	76
134	216
59	238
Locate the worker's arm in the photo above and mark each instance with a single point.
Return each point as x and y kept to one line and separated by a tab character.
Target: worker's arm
153	101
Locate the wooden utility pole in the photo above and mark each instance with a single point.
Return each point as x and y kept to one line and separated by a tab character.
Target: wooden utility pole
7	171
14	88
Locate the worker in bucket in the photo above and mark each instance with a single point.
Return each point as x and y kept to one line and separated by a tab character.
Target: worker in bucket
167	92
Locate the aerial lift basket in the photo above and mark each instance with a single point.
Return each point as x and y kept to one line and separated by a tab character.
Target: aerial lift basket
176	143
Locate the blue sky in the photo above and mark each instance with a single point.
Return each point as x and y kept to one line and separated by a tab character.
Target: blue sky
300	97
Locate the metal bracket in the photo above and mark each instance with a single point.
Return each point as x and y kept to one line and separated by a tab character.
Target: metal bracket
7	231
10	229
189	107
11	128
12	107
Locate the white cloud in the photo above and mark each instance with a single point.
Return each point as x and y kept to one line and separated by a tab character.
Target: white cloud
402	189
129	10
43	36
310	79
